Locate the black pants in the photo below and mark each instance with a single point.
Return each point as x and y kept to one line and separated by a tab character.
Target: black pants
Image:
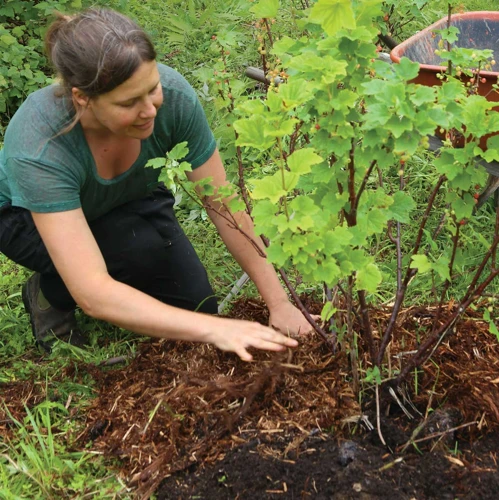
142	244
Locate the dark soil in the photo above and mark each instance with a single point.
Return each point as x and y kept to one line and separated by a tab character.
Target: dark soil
187	421
355	469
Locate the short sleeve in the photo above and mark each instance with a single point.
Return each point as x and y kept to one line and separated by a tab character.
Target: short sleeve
182	118
199	137
40	187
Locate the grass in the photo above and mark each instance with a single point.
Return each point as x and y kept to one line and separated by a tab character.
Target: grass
37	458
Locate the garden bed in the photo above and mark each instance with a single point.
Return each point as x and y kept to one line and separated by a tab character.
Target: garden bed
189	421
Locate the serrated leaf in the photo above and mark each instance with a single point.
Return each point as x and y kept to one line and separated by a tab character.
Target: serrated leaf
266	8
328	272
179	151
283	45
492	153
264	209
402	206
7	39
406	69
276	255
475	112
441	266
304	204
423	95
301	161
268	188
399	125
421	263
336	240
407	143
333	15
294	93
251	133
156	163
368	278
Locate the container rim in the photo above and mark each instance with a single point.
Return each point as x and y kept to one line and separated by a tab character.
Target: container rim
395	54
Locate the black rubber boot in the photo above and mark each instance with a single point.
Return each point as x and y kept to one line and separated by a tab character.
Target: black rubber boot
50	324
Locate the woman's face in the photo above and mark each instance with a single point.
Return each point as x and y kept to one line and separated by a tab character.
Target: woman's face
128	110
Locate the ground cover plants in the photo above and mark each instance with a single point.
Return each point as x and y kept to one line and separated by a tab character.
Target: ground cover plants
330	155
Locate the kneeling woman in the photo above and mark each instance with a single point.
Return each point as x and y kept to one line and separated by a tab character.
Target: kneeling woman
79	207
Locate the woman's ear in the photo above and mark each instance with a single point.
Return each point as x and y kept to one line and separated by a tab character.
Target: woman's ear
79	97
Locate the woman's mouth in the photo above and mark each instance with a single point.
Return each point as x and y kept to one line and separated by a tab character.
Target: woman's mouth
145	126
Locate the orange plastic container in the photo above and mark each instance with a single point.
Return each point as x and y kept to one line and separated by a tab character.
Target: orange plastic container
477	30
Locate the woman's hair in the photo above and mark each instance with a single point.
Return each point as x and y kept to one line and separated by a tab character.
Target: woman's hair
95	51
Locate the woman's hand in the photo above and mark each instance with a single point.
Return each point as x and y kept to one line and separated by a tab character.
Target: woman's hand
238	335
286	318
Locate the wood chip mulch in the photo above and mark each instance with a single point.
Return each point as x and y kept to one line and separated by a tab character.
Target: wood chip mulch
179	404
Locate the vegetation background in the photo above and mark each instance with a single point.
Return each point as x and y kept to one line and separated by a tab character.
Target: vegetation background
211	44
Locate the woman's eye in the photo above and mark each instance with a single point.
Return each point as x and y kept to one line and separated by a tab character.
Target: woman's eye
127	104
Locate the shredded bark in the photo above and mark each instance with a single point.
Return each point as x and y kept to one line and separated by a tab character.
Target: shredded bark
178	404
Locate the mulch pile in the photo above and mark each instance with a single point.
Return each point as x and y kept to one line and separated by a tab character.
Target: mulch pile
178	405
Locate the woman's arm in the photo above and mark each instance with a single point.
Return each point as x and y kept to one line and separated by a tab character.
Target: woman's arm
78	260
283	315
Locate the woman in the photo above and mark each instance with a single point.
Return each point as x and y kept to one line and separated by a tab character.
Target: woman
79	207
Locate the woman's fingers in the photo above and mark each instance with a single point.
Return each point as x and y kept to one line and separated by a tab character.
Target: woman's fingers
241	335
244	354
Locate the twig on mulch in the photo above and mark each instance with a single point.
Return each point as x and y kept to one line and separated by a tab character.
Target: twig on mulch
117	360
403	448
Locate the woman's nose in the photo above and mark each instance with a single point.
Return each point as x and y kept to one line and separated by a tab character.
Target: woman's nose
149	110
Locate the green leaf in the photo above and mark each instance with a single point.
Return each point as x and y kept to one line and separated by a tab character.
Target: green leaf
403	205
328	272
373	375
283	46
179	151
266	8
492	326
156	163
475	112
294	93
492	153
423	95
399	125
279	128
333	15
407	143
421	263
328	311
264	209
406	69
276	255
374	221
251	133
303	205
368	278
268	188
336	240
463	208
293	244
450	91
7	39
441	266
374	87
301	161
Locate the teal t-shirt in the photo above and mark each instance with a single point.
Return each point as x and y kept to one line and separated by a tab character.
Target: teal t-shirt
43	172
